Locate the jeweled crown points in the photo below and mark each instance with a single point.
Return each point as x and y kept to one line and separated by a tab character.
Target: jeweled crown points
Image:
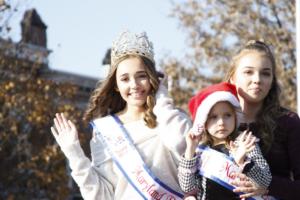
128	43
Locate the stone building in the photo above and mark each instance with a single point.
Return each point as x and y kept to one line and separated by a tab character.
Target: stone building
33	48
32	51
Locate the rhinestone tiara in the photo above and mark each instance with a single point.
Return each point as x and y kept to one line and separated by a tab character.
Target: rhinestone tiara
128	43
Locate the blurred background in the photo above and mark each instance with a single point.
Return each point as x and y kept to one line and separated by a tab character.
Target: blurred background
52	54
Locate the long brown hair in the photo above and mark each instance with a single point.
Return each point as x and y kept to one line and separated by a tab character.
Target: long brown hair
107	100
270	111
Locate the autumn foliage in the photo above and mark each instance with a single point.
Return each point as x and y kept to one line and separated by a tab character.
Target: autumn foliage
216	29
32	165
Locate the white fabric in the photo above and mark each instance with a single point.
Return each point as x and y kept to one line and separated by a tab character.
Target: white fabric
160	147
121	149
220	168
207	104
217	166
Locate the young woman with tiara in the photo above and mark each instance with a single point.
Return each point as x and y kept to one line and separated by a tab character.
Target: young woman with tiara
138	133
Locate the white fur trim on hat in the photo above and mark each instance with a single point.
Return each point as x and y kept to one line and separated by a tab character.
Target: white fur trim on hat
206	105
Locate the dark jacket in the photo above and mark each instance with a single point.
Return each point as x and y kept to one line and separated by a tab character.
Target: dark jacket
284	157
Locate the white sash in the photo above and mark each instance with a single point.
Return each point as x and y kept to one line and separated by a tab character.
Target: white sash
220	168
126	157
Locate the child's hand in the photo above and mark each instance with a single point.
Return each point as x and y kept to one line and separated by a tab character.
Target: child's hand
64	130
198	129
192	142
241	146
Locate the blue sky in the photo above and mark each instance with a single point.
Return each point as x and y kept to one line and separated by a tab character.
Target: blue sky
80	31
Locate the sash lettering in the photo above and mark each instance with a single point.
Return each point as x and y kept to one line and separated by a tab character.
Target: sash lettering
220	168
121	148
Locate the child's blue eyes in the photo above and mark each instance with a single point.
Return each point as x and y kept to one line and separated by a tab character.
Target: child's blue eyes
226	115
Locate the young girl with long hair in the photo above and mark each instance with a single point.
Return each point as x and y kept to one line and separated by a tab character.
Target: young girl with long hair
138	133
253	71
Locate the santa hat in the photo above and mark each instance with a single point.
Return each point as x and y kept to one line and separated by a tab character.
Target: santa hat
201	104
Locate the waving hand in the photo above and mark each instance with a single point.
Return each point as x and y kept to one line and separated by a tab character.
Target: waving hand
64	130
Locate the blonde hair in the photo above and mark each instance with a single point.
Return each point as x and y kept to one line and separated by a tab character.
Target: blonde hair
207	138
106	100
270	111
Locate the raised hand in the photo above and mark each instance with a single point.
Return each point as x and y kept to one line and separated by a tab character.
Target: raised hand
241	146
192	141
64	130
